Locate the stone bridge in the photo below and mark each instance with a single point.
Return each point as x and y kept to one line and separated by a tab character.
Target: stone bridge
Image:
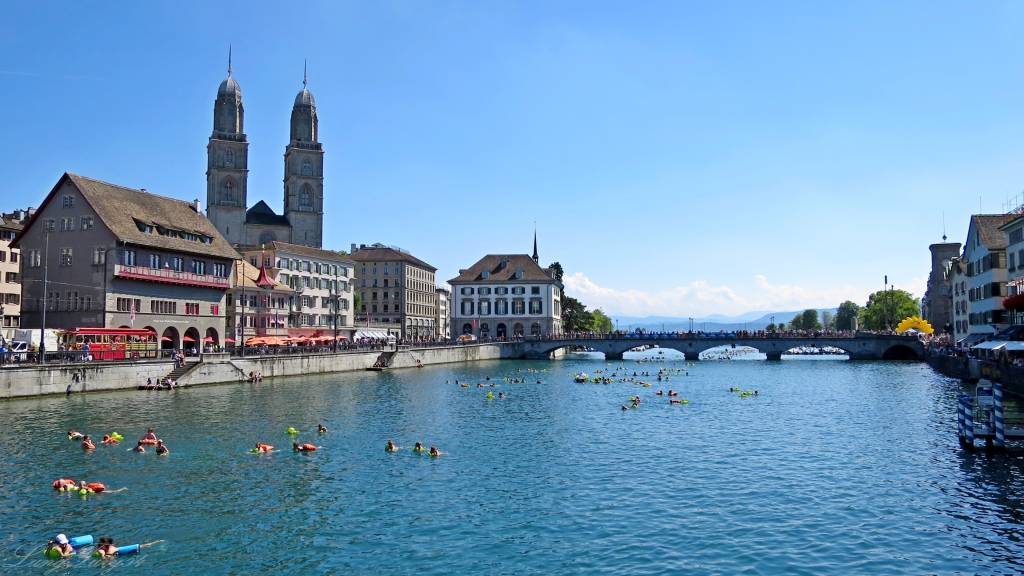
860	347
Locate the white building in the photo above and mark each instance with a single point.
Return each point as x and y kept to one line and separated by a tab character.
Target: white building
985	259
10	272
444	320
505	295
1014	230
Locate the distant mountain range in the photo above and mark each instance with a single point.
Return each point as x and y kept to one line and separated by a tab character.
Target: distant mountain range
756	320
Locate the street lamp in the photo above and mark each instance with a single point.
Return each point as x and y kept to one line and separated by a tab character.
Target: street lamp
42	328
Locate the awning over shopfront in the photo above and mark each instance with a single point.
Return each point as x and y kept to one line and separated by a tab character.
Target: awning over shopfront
989	345
371	334
1014	346
971	339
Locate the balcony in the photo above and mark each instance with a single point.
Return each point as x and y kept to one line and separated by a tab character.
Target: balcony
168	276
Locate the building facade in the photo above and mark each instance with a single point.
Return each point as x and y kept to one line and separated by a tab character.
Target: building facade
1014	230
227	170
321	285
444	319
506	295
985	259
957	277
257	305
397	291
100	255
937	303
10	272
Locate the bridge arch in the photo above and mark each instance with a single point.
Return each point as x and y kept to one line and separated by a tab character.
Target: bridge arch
900	352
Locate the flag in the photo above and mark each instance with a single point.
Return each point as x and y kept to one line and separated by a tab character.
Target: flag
131	308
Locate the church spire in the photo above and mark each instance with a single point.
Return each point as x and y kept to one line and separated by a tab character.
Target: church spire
303	73
229	60
536	258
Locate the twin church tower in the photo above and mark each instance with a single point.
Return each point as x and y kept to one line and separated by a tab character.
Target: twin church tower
227	170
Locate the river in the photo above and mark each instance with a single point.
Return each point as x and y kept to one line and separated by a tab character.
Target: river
834	467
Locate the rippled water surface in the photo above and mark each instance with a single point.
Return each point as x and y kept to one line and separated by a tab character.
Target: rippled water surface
834	468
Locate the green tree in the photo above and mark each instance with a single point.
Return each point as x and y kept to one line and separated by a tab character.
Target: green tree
600	322
770	327
556	271
575	317
357	299
846	315
886	308
809	320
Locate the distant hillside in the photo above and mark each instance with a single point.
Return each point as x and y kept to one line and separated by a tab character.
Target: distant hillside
714	323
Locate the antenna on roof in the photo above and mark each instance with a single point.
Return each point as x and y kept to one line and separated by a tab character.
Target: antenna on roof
303	72
229	59
943	225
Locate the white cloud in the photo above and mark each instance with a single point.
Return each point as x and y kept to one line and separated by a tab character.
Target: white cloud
700	298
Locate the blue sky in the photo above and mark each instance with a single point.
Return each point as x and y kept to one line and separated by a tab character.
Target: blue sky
679	158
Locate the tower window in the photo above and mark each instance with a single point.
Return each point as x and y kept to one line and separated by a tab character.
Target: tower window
229	158
227	192
305	197
307	168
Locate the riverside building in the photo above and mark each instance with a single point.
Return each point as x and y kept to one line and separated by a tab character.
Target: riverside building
506	295
321	285
397	292
257	305
1014	230
10	272
99	255
444	321
957	277
985	259
937	303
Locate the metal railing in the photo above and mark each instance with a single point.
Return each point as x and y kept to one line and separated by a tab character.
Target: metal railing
170	276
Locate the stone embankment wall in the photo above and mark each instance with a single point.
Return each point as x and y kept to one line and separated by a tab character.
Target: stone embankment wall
215	369
88	377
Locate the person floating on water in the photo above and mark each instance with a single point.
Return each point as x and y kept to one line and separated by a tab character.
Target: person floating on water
161	448
149	437
435	452
74	435
61	545
303	448
390	446
139	447
263	448
87	443
321	428
106	548
418	447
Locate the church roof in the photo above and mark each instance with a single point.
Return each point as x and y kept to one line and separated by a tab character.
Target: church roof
143	219
248	276
305	98
230	88
309	251
262	213
503	268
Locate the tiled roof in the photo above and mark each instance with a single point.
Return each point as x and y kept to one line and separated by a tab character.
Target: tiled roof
503	268
9	224
298	249
246	275
384	254
119	208
988	226
261	213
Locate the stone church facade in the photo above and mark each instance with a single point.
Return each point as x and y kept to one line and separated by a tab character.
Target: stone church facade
228	168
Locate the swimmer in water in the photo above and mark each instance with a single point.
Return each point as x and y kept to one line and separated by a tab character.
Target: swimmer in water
139	447
263	448
390	446
87	443
418	447
303	448
161	448
106	548
61	545
321	428
434	451
74	435
150	435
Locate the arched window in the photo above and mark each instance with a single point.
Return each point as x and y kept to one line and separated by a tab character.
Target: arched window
229	158
306	197
227	191
307	168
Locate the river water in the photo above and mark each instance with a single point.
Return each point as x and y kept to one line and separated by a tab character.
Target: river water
834	467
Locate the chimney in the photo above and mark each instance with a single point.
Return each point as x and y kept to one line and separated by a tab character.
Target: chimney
197	206
353	248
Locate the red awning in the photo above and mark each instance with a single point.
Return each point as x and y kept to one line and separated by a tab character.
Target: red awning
229	340
188	339
166	339
208	339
